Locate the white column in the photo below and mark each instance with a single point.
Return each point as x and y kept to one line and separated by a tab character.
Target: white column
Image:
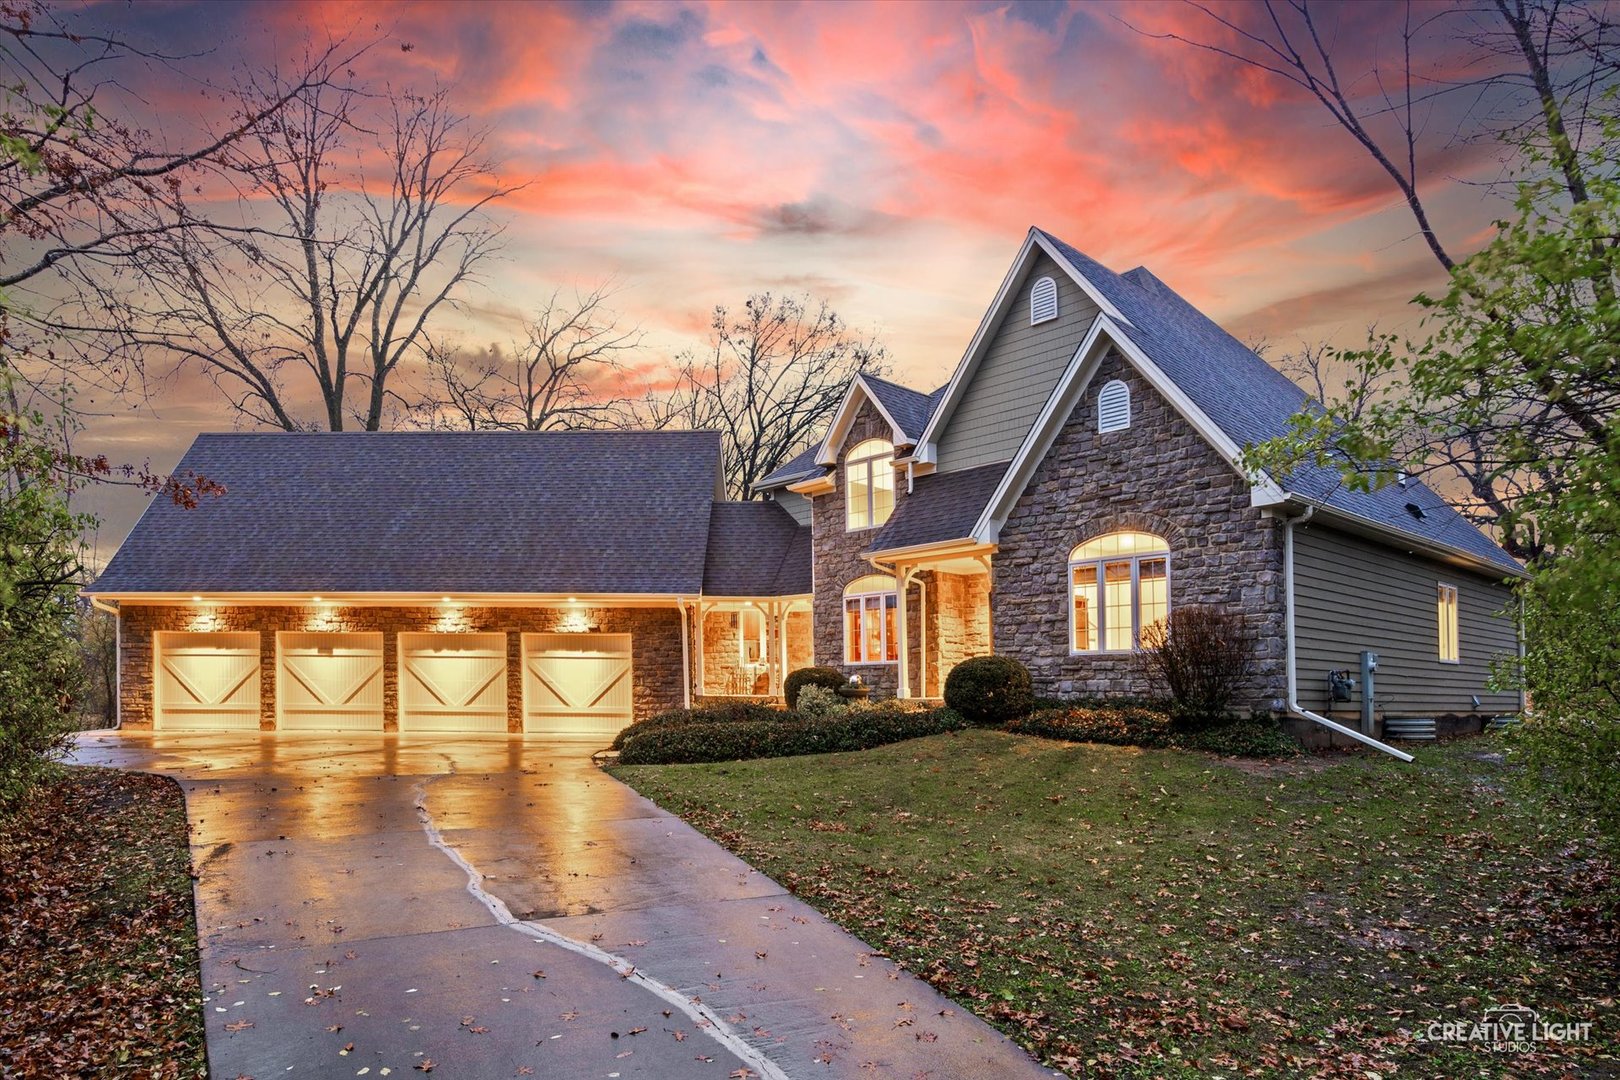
698	645
686	656
781	649
903	672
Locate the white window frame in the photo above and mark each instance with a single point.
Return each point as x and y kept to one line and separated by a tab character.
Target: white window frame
742	636
1447	623
1096	565
1046	282
872	463
884	598
1118	386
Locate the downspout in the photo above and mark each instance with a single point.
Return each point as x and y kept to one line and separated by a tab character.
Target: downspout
1294	707
686	658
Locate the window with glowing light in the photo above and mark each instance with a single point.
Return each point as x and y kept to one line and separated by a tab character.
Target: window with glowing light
751	636
1119	585
871	620
868	484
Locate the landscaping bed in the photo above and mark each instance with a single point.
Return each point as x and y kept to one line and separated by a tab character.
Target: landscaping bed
98	935
1136	912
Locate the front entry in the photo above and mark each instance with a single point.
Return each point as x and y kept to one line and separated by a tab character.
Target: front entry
576	684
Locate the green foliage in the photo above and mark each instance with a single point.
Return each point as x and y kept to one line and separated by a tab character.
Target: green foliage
817	702
1200	654
990	689
724	712
1129	724
851	729
831	678
41	670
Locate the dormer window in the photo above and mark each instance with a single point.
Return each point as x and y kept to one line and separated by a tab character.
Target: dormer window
1043	301
868	484
1114	407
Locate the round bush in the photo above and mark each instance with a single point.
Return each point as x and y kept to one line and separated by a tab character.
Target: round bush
831	678
990	690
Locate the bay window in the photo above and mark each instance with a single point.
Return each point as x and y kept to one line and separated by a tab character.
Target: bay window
1119	585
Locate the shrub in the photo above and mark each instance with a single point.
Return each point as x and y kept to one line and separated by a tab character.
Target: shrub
816	702
727	712
989	689
1117	725
851	729
1251	738
1200	655
831	678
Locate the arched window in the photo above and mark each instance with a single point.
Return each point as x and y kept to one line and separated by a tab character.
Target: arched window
868	484
871	611
1043	301
1119	585
1114	407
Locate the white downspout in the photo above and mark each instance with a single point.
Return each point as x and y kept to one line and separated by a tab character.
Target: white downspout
686	658
1293	680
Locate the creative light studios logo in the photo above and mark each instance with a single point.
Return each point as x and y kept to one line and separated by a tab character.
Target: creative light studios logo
1506	1028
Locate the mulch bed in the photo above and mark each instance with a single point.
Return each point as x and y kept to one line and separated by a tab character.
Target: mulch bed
98	935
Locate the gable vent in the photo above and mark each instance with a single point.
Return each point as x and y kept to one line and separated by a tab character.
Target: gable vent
1043	301
1114	407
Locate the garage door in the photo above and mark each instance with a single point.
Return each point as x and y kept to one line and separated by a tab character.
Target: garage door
205	682
576	684
329	682
452	682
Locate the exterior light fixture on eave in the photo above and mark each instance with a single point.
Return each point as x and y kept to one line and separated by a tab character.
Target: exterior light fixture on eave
316	599
196	599
444	599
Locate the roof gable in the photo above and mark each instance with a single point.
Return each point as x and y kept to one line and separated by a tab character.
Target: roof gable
905	410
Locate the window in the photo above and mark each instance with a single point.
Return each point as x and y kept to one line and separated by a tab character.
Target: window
1447	617
751	636
1119	585
1043	301
871	613
1114	407
868	485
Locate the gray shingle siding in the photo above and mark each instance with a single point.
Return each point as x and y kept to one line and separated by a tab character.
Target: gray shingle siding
1351	594
1016	375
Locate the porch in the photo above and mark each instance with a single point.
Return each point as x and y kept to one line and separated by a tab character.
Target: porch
745	647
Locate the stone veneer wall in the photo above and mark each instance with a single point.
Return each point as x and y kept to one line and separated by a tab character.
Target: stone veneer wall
723	672
1157	476
963	632
838	561
655	646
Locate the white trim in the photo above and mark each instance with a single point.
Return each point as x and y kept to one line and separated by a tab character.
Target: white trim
1441	590
882	595
1046	285
1393	537
1096	563
844	415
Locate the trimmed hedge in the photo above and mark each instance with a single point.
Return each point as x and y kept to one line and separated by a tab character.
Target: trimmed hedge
852	729
728	712
990	689
831	678
1135	725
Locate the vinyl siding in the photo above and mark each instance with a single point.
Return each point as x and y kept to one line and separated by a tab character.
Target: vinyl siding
795	504
1016	375
1352	594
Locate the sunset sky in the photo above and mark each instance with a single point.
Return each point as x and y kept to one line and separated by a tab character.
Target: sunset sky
888	158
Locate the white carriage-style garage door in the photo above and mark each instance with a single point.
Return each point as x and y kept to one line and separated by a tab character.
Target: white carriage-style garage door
205	681
452	682
576	684
329	681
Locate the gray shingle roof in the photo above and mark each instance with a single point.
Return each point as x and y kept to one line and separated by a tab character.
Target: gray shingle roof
802	465
941	506
908	408
1251	402
430	512
756	549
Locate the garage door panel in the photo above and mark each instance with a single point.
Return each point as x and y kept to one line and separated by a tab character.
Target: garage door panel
330	681
452	682
206	681
577	684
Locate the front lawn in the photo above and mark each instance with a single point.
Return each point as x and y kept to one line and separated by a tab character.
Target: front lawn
98	935
1160	912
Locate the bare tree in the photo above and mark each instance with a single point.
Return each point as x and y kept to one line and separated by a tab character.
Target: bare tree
556	378
768	380
349	242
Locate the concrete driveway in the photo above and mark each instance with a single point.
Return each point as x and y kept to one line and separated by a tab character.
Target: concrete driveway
490	907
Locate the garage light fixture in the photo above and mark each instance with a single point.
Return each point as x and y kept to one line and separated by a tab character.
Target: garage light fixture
316	599
573	599
444	599
196	599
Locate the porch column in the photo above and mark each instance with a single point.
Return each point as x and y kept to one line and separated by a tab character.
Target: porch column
781	649
686	654
702	685
903	671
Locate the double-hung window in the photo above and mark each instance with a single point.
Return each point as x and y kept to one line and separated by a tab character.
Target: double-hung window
871	614
868	484
1119	585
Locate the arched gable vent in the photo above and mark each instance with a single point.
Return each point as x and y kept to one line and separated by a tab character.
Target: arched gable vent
1114	407
1043	301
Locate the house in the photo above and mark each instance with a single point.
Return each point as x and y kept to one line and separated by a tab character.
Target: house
1076	479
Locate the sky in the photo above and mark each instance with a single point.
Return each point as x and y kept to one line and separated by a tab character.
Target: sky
888	158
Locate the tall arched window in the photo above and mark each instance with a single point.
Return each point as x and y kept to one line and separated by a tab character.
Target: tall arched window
868	484
1119	585
871	610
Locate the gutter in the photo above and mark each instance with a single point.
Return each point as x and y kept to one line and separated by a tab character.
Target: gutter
1293	705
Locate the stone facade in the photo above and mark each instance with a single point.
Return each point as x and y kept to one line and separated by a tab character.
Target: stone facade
655	646
1157	476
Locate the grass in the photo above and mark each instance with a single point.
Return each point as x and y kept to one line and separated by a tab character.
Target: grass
1164	913
98	936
